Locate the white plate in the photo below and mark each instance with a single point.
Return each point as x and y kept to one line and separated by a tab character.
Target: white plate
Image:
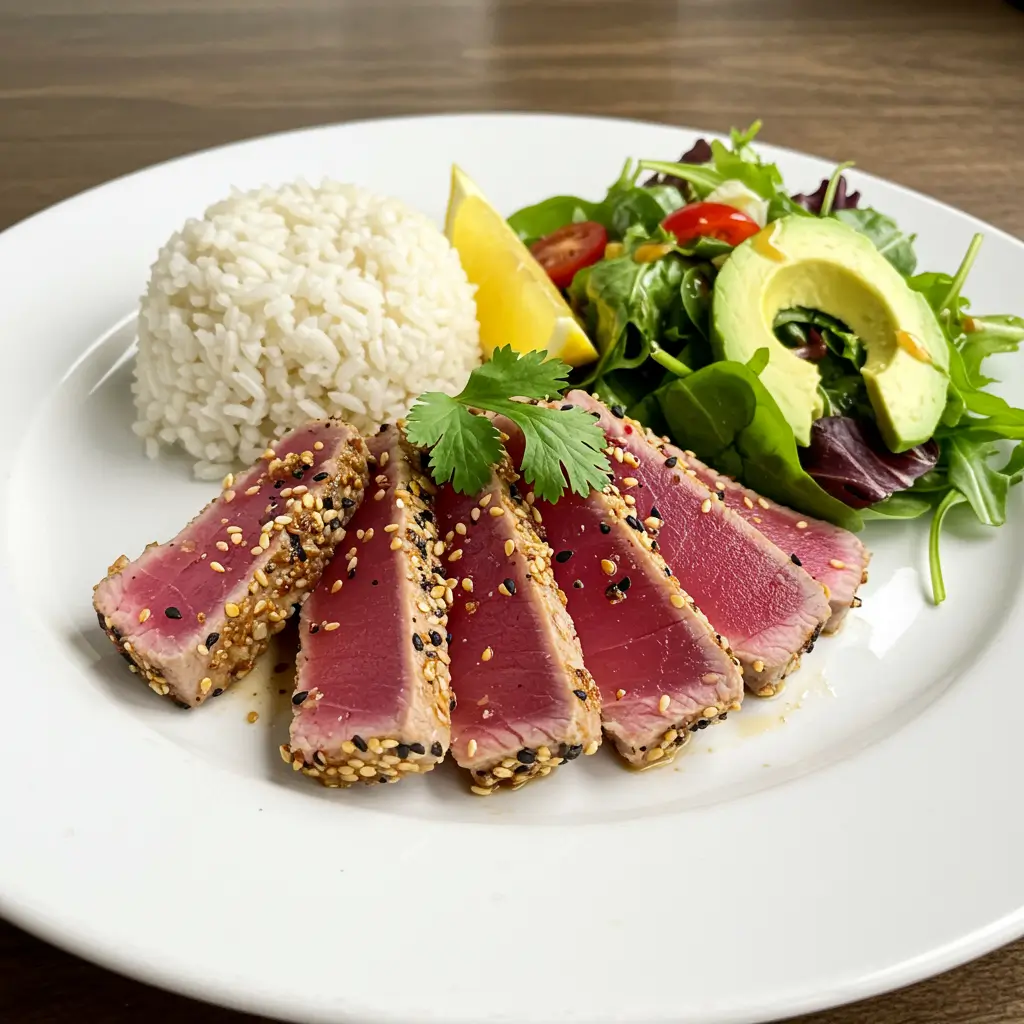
858	833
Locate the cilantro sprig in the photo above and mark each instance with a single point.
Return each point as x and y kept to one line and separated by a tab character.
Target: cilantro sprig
562	446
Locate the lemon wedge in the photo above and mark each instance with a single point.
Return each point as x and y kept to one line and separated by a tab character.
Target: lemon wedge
516	303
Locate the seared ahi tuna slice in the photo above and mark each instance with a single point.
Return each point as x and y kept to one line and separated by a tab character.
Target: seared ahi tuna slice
372	687
526	702
768	607
661	669
832	555
193	615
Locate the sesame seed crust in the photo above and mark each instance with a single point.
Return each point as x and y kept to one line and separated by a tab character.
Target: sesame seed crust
522	573
419	735
274	585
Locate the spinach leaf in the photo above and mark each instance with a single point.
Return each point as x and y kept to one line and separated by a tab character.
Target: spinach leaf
703	180
727	416
742	164
895	245
695	290
534	222
902	505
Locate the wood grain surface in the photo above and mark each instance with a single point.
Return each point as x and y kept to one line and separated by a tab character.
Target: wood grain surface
929	94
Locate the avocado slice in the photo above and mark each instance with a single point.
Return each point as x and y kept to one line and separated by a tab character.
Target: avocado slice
823	264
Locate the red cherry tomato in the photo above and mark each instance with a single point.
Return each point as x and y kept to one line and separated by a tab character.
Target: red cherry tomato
569	249
710	220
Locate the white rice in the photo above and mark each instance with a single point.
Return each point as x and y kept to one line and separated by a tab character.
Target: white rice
283	305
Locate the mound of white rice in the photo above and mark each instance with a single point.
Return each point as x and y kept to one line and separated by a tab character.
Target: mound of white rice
284	305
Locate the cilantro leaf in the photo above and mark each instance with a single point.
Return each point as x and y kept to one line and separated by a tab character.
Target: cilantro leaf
464	446
561	445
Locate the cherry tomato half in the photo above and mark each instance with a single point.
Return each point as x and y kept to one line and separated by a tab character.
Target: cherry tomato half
710	220
569	249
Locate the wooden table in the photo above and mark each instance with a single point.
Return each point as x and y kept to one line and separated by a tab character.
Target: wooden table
928	94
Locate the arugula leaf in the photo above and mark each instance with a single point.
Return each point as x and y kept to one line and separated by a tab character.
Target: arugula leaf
986	336
561	445
972	475
702	179
895	245
953	497
745	166
727	416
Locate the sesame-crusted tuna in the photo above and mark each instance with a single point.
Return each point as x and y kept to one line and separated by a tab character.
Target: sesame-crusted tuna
193	615
662	671
526	703
832	555
372	686
769	608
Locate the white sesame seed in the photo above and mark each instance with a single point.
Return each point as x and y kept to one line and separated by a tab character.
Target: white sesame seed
630	481
664	702
487	654
261	578
711	712
384	456
677	600
510	546
396	544
460	529
229	496
480	791
228	481
455	555
283	520
399	503
216	567
763	503
655	754
486	500
497	511
318	446
222	545
705	505
618	455
591	748
379	495
331	626
439	547
255	489
144	614
475	515
467	585
471	748
205	684
336	586
608	566
758	665
232	610
619	694
391	528
836	564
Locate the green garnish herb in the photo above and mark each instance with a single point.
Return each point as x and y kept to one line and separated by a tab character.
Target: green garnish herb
562	446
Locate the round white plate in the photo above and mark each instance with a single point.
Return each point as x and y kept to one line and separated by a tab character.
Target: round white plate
858	833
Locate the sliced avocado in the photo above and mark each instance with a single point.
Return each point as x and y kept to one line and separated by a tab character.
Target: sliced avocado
823	264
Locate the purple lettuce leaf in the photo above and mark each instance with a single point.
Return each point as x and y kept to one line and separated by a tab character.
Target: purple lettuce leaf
843	201
849	460
698	153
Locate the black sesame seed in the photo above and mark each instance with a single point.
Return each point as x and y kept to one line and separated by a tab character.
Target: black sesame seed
720	495
172	613
328	503
217	692
448	637
351	574
417	641
347	502
278	484
452	704
360	743
402	750
298	698
623	584
574	751
513	491
435	748
417	748
314	628
567	407
297	549
703	723
526	756
582	694
211	640
181	704
510	585
655	512
618	412
795	560
299	474
383	778
295	608
435	638
693	728
382	428
373	583
654	545
563	556
668	571
320	476
722	717
605	528
522	768
635	523
671	461
427	515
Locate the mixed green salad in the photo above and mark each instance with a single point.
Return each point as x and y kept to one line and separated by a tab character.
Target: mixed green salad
787	339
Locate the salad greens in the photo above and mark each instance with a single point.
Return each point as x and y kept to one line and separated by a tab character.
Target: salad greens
646	306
